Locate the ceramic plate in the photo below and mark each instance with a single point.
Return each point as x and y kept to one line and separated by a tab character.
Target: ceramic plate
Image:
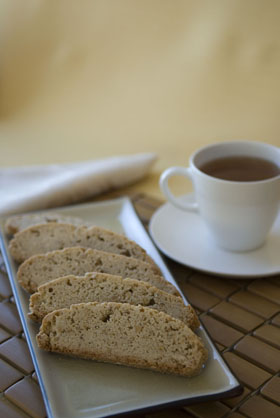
183	237
73	387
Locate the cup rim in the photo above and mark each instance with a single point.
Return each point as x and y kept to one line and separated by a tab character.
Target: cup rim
245	142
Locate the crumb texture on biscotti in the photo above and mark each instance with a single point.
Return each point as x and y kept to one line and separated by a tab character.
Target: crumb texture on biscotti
17	223
124	334
42	268
100	287
42	238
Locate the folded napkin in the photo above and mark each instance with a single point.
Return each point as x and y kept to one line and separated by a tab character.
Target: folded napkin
38	187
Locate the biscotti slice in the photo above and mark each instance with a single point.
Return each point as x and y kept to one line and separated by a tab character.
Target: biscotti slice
124	334
42	268
100	287
43	238
17	223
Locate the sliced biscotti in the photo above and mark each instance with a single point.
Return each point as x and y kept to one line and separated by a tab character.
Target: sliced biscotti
100	287
42	268
39	239
124	334
17	223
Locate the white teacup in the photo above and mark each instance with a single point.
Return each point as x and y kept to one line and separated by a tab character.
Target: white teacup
239	214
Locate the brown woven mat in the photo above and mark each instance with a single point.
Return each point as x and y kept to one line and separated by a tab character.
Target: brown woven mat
242	316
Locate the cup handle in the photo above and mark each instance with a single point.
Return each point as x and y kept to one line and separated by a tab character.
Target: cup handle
172	171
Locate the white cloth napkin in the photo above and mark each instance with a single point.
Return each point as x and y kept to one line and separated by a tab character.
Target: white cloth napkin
38	187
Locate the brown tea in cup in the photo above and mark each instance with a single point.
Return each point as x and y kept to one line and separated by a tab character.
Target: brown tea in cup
240	168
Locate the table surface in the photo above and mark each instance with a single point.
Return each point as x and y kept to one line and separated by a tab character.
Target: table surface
242	317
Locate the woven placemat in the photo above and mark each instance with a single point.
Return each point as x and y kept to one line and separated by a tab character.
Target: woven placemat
242	317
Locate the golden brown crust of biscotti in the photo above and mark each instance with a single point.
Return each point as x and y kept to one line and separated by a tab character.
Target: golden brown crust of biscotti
42	238
42	268
124	334
99	287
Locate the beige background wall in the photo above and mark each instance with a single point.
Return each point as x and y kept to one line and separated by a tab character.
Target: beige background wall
93	78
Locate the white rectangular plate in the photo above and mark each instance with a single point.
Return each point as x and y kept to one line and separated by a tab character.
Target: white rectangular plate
73	387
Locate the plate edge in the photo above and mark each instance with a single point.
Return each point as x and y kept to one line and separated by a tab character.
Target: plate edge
24	325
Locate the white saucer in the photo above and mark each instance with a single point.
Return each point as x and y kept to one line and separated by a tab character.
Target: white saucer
183	237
